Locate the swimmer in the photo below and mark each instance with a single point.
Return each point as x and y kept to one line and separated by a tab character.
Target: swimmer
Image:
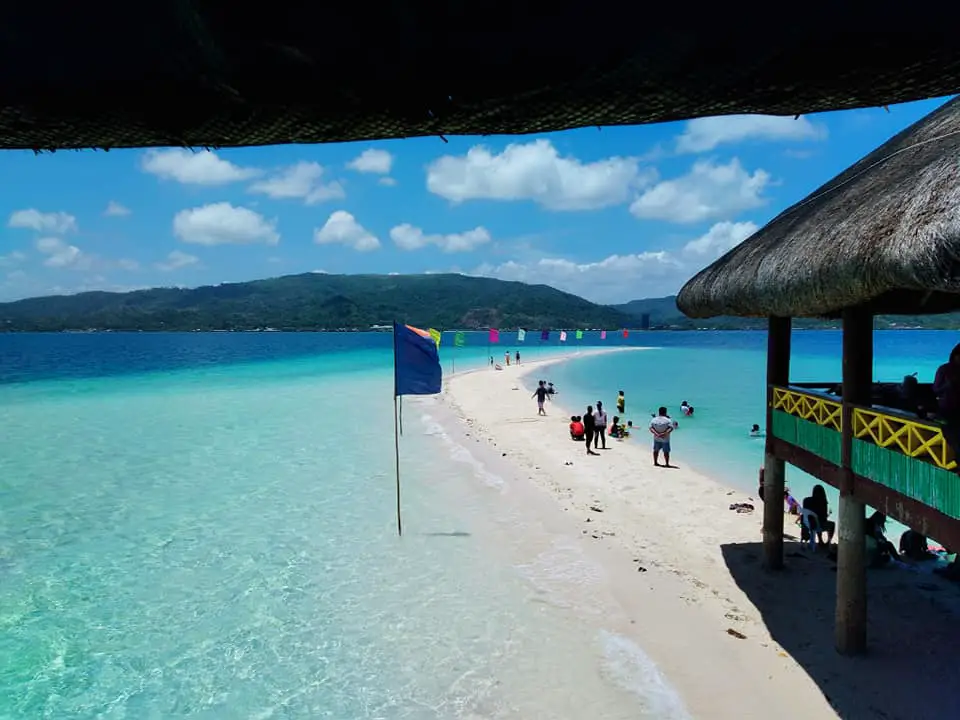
755	431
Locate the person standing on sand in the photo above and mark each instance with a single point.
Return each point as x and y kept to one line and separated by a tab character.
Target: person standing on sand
506	358
601	430
589	428
621	403
518	357
662	426
541	395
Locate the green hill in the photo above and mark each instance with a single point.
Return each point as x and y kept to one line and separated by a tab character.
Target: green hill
317	301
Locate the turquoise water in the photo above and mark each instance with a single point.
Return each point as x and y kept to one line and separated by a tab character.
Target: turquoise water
203	526
722	374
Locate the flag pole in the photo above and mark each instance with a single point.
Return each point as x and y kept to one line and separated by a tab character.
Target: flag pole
396	450
401	414
396	436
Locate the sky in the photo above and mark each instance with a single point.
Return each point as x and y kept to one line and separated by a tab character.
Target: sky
611	214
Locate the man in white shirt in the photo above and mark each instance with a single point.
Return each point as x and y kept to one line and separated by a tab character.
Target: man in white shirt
661	427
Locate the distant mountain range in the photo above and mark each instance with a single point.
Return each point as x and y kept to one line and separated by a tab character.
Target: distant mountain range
664	315
317	301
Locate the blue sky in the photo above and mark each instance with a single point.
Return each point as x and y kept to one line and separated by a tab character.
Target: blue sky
612	214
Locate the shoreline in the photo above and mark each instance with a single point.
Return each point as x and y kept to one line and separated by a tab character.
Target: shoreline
713	635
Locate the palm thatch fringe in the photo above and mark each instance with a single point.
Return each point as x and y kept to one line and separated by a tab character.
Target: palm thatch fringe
212	73
884	234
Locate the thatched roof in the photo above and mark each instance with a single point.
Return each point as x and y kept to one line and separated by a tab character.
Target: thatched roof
884	234
216	73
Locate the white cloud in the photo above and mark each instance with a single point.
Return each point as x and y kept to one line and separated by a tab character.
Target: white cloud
708	191
128	264
13	258
621	278
372	161
341	227
194	168
720	238
61	255
703	134
614	279
115	209
57	223
409	237
300	181
536	171
387	181
177	259
223	224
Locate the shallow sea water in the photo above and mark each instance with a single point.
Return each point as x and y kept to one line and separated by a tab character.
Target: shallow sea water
218	540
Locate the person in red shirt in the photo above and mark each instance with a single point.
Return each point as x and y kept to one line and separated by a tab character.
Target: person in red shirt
576	428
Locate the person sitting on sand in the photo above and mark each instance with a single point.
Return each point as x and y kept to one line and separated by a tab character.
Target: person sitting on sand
914	546
880	551
755	431
662	427
541	395
627	430
576	428
621	403
686	408
589	428
793	507
616	429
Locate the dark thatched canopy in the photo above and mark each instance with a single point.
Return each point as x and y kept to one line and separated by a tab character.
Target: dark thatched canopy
217	73
884	234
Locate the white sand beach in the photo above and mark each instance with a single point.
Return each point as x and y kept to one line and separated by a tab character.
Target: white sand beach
735	641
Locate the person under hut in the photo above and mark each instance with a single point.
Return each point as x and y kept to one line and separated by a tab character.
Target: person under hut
817	504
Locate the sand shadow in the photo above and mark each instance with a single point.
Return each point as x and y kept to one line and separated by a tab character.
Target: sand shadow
455	533
912	669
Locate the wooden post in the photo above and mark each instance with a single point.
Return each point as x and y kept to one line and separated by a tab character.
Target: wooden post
778	373
851	614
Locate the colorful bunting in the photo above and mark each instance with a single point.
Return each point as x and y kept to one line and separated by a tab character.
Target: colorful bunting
563	336
579	334
435	334
545	335
459	340
521	335
494	335
603	334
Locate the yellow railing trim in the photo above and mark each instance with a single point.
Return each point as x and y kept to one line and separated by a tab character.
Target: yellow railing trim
913	438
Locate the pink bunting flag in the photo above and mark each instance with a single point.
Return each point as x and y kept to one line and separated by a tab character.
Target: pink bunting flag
603	334
563	336
494	335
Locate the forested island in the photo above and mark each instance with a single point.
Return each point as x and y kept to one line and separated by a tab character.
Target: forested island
317	302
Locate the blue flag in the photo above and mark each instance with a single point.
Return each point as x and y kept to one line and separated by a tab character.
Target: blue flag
416	362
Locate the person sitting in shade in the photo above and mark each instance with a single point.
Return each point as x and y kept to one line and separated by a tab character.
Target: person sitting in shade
880	551
576	428
817	504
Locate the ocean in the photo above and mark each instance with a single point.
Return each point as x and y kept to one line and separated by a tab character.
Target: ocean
203	525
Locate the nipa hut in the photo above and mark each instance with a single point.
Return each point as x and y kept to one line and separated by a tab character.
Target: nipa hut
211	73
882	237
